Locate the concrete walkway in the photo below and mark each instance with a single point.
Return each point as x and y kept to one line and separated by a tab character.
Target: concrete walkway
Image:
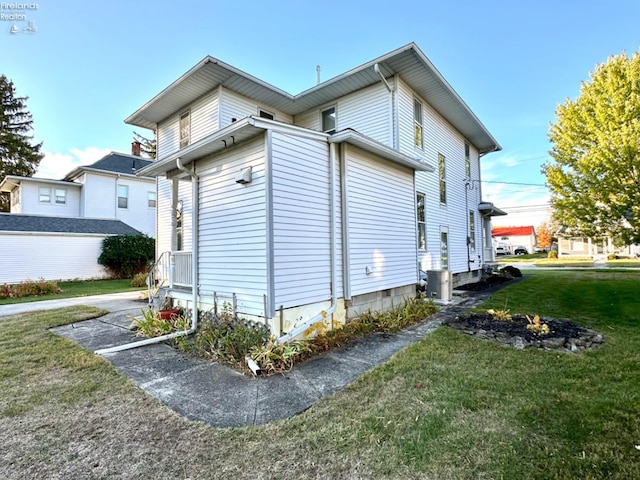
215	394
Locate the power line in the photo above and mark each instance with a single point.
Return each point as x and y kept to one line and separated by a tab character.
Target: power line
514	183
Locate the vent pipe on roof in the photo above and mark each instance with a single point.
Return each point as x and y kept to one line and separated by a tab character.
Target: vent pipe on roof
318	74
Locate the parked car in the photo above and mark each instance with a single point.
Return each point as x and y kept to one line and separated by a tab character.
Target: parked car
501	251
521	251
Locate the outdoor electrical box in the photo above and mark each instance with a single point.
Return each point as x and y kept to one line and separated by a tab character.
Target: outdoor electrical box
439	285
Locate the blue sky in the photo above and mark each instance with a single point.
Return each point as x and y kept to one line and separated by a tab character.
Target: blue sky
89	65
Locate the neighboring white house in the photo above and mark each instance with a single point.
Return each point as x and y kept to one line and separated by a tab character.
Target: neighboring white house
55	228
107	189
322	204
510	238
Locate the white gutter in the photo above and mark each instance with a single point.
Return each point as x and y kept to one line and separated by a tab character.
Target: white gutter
194	279
332	225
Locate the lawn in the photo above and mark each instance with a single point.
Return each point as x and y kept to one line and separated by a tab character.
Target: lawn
79	289
449	406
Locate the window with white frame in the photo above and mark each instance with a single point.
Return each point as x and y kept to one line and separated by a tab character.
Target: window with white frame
467	161
444	249
15	197
61	196
123	196
472	230
442	175
417	123
329	120
44	194
151	199
421	219
185	129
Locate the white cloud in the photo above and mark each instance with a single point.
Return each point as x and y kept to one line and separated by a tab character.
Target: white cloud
57	165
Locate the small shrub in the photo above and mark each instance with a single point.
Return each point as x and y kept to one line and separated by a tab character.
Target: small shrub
227	341
126	255
139	280
279	358
536	326
151	325
500	315
29	288
552	254
612	256
510	271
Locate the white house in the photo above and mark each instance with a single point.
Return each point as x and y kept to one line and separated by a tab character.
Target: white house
511	238
321	204
55	228
107	189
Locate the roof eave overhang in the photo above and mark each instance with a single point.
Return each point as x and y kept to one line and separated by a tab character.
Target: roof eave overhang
354	138
488	209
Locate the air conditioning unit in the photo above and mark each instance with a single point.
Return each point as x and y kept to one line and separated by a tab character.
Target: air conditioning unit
439	285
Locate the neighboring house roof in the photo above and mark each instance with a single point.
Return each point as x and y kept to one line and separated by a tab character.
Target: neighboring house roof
114	162
11	181
512	231
408	61
43	224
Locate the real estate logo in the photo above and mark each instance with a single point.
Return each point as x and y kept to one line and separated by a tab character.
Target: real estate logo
19	16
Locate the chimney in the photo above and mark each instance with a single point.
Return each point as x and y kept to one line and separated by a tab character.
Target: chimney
135	148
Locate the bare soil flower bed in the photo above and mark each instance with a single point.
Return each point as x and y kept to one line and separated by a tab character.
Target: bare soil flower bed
563	334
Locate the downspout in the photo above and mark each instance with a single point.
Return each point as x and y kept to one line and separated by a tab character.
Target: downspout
466	213
194	279
332	226
391	90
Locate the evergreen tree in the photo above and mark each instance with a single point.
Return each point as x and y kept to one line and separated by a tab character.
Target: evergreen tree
594	177
147	145
17	155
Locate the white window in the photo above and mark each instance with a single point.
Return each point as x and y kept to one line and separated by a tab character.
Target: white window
123	196
443	178
467	161
15	197
472	230
417	123
61	196
44	194
421	221
185	129
329	120
444	249
151	199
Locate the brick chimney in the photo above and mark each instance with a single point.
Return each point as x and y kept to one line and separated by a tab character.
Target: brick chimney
135	148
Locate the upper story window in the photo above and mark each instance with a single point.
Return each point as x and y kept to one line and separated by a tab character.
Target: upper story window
329	120
417	123
421	218
265	114
44	194
467	161
443	178
61	196
151	199
123	196
185	129
472	230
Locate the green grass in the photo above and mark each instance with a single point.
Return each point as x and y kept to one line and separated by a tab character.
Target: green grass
79	289
531	257
564	262
624	262
450	406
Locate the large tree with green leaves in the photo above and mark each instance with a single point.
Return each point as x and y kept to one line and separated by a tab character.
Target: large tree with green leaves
594	176
18	156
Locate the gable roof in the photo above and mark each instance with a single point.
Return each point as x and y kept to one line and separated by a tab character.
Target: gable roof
512	231
114	162
42	224
11	181
408	61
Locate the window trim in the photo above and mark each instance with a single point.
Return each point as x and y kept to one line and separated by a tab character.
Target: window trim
442	178
418	124
467	160
444	248
184	140
56	196
125	204
42	194
472	230
421	223
335	119
154	199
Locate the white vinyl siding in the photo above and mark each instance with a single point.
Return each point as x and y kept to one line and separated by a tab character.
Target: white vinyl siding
51	256
30	195
301	220
439	137
236	106
382	230
367	111
233	257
